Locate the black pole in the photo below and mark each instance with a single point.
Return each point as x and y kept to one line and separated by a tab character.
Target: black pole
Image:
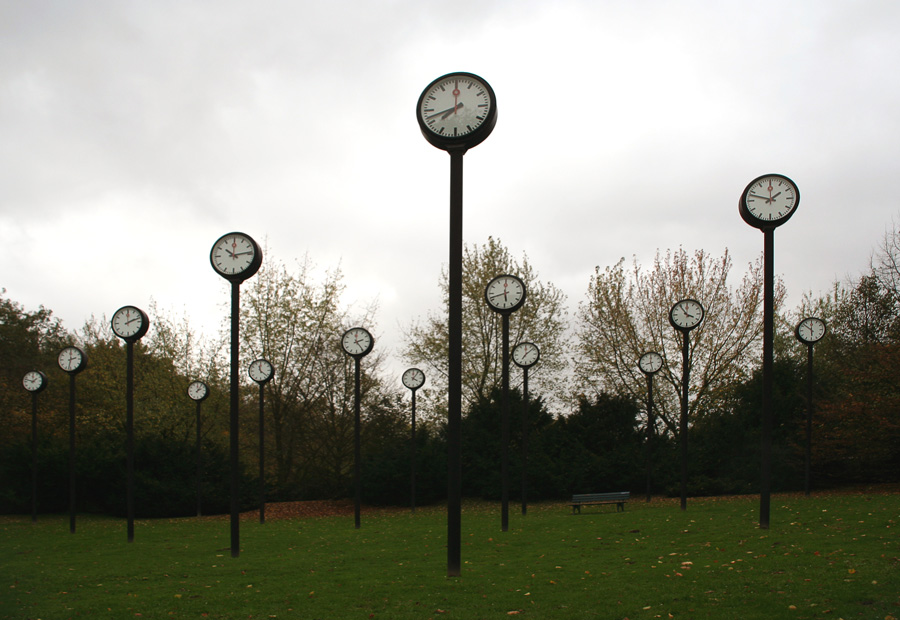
683	431
262	455
72	453
357	492
234	420
650	425
129	430
504	427
809	413
34	464
199	461
454	370
524	440
412	456
768	339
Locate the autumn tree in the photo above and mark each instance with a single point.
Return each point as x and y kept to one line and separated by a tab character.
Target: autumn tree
541	320
625	314
296	322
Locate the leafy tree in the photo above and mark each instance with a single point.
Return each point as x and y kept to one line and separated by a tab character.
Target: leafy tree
625	314
296	322
542	320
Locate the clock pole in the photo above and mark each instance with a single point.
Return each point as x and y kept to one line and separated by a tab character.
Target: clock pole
72	453
34	401
199	462
504	427
454	371
809	414
649	430
262	453
412	457
234	403
357	490
683	427
129	430
524	440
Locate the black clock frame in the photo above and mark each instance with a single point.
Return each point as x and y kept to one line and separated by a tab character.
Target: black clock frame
251	269
205	394
679	327
804	340
271	373
145	324
648	353
751	219
512	308
536	360
459	143
363	353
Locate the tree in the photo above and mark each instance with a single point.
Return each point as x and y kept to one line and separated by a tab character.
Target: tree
625	315
541	320
296	323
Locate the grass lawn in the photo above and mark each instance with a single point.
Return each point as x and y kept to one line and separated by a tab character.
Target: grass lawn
833	555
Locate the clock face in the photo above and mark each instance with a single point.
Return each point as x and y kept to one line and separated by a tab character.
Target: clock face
457	109
357	342
260	370
505	293
686	314
810	330
413	378
526	354
198	390
130	323
34	381
235	256
769	201
71	359
650	363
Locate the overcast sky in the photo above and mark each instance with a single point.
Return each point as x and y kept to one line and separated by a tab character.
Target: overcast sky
134	134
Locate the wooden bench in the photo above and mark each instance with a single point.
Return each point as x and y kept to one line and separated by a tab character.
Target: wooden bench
589	499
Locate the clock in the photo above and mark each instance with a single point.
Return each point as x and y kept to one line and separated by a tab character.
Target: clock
261	370
686	314
526	354
235	256
357	342
457	111
505	294
198	391
769	201
34	381
72	360
810	330
130	323
650	363
413	378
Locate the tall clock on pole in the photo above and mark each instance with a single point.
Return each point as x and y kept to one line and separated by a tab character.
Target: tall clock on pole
455	112
684	316
357	342
767	202
72	361
235	257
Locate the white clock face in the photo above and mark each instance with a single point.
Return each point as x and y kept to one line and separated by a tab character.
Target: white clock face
33	381
771	198
413	378
686	314
233	254
650	362
260	370
127	322
71	359
505	293
526	354
197	390
811	330
357	341
455	106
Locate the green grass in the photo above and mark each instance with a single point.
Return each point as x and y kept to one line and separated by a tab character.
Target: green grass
828	556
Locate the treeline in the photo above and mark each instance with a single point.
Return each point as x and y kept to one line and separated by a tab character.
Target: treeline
587	419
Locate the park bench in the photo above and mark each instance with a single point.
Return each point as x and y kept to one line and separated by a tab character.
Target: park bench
590	499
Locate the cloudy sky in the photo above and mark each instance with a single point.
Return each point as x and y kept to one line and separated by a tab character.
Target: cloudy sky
134	134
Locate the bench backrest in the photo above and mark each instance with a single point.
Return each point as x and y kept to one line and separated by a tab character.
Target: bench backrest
619	496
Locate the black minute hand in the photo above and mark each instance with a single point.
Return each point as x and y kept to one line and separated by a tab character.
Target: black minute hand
444	114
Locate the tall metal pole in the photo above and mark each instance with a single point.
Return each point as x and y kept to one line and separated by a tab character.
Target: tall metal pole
768	340
412	456
454	370
357	491
129	430
683	430
262	454
809	413
234	420
72	453
524	440
504	427
34	463
650	427
199	461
